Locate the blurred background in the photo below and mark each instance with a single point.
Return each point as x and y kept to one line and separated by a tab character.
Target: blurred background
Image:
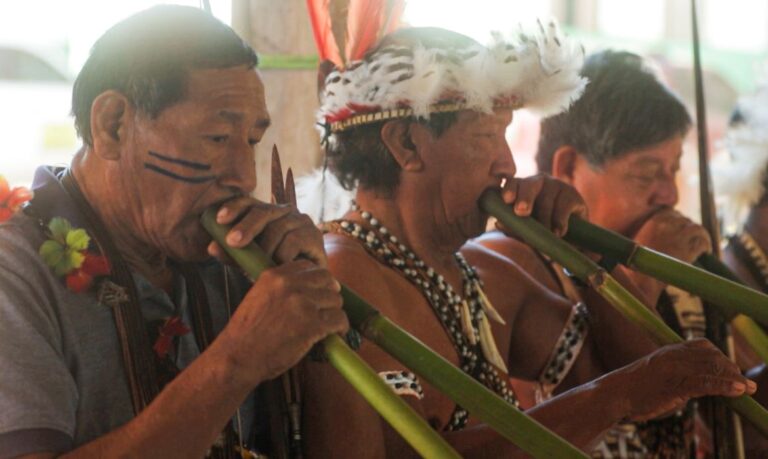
44	43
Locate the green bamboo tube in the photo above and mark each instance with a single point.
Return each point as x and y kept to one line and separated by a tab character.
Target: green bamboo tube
713	280
753	333
541	239
513	424
523	431
412	427
729	296
425	440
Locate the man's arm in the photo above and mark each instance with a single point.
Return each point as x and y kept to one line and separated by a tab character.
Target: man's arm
339	423
612	339
552	202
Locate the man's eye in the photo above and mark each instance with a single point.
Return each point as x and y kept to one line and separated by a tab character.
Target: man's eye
643	178
253	142
219	138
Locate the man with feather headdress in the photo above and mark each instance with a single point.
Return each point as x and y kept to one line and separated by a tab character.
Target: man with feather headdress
417	128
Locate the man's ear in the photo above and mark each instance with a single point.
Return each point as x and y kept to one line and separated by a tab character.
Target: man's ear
110	112
564	162
397	137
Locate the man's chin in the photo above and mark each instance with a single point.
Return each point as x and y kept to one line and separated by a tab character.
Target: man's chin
190	249
475	225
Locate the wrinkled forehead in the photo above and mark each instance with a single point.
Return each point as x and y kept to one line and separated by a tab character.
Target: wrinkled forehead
665	153
235	89
218	83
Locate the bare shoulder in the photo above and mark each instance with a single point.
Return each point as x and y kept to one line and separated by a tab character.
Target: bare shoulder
497	271
488	259
509	247
354	267
348	259
504	276
521	254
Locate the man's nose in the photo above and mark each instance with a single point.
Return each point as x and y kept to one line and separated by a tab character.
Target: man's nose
240	171
666	192
504	164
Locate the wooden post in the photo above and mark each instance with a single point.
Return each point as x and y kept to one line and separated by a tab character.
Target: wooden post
282	28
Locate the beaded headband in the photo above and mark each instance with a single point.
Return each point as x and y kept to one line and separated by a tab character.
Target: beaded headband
538	71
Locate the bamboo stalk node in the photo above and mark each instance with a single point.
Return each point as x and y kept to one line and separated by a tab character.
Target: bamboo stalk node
354	339
597	278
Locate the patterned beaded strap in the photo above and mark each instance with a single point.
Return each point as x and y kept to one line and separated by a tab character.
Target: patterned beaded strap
403	383
622	441
566	351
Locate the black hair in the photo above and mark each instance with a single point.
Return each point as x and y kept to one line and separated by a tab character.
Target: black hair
624	108
358	156
147	57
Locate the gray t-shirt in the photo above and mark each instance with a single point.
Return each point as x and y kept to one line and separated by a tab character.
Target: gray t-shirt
62	381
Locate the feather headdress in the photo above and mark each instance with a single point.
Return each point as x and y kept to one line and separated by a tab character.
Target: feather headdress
539	71
344	30
741	174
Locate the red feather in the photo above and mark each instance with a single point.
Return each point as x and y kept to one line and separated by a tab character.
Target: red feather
367	21
320	17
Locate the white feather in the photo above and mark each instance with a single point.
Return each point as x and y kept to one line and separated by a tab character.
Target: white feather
540	69
322	197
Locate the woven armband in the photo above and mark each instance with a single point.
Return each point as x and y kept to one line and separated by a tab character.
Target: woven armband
566	351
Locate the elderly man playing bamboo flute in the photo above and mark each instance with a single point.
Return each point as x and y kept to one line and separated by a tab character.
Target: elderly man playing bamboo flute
620	146
120	335
418	127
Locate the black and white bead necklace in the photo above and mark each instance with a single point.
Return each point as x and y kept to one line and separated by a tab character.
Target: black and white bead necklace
465	320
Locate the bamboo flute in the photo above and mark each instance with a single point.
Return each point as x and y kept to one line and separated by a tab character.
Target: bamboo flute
523	431
412	427
722	290
581	266
712	280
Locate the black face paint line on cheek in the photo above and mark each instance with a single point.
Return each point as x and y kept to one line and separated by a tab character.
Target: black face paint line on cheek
182	162
195	166
181	178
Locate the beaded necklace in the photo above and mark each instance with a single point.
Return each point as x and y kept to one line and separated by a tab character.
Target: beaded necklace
466	321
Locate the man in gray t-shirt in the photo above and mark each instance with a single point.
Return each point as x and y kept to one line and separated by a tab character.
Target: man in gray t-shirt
119	334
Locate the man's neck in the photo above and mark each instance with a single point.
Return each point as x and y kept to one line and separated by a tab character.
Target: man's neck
411	220
103	190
